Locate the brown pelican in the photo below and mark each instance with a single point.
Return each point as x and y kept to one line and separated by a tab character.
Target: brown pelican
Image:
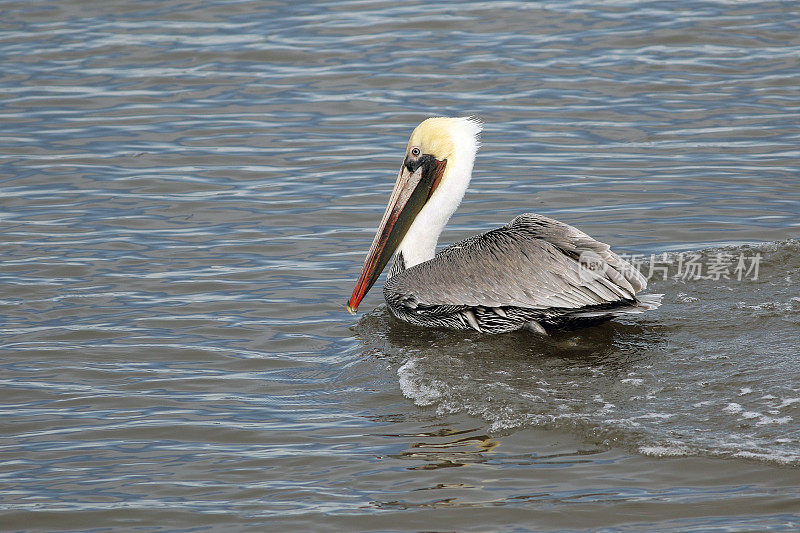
535	272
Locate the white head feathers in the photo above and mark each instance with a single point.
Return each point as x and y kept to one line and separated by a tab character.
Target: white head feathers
455	140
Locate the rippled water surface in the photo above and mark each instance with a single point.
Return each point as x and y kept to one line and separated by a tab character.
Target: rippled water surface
188	191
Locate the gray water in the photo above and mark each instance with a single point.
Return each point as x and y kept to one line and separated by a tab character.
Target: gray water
188	192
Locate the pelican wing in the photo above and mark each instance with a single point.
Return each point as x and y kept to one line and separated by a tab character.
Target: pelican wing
533	262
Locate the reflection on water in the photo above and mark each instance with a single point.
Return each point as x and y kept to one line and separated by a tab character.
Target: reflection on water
613	344
459	452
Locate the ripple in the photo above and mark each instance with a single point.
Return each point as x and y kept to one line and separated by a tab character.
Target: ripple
188	193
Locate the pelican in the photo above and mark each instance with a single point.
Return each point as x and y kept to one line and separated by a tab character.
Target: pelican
534	273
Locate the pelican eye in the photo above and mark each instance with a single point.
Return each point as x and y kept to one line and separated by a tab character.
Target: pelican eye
415	152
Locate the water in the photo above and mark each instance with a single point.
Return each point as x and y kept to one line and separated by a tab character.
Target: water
188	191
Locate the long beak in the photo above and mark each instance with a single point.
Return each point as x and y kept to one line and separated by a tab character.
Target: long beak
410	193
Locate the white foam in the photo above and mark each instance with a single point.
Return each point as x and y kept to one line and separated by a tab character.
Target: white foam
765	420
733	408
674	450
413	388
662	416
786	459
787	402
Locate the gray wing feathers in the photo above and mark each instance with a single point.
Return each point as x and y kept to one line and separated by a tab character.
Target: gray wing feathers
533	262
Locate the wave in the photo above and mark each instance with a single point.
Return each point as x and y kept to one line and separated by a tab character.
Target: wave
713	372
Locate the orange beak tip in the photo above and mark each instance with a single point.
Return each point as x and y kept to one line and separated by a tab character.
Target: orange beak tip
351	310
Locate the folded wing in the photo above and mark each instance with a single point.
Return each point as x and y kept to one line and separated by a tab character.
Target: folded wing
533	262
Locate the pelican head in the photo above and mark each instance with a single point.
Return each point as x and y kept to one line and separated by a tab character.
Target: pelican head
432	180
